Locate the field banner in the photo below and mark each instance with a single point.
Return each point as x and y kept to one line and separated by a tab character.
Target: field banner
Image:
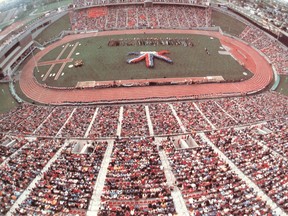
97	12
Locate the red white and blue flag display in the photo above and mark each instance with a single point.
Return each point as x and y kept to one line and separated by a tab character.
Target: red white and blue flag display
149	57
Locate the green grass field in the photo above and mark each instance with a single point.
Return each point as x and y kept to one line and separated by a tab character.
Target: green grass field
103	63
54	29
7	102
227	23
283	85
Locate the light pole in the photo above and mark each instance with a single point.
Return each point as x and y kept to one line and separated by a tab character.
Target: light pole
35	61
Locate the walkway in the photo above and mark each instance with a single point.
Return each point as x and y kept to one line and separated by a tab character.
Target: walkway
99	185
176	194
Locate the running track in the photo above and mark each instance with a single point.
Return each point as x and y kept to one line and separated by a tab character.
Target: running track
256	63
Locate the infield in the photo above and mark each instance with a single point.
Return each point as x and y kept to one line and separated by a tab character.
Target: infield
104	63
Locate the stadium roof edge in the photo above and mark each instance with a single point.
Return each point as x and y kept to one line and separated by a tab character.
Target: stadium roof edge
140	3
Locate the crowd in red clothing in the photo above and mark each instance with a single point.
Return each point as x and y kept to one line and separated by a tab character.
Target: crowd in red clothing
260	152
79	122
54	122
9	146
68	184
267	169
134	121
208	185
104	121
18	172
11	120
87	3
276	53
135	173
163	120
136	16
191	117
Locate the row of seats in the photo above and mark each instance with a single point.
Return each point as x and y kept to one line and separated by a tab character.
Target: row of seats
207	183
135	173
277	54
22	168
88	3
104	121
266	169
135	183
68	184
135	16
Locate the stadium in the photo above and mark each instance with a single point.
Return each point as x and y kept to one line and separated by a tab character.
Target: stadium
164	107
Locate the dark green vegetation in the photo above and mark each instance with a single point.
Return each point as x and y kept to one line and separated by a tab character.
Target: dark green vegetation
283	85
54	29
7	102
227	23
102	63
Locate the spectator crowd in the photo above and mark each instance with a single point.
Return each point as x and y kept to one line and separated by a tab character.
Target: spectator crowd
135	183
208	185
19	171
68	184
87	3
135	174
136	16
104	121
275	52
260	164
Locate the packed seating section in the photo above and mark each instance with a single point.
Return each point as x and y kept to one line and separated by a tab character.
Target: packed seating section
259	152
19	171
135	181
79	122
134	121
52	125
208	185
195	116
106	122
68	184
88	3
163	120
12	145
191	117
275	52
276	140
136	16
260	164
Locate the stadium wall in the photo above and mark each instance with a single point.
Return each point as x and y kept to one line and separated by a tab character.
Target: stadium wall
10	55
281	37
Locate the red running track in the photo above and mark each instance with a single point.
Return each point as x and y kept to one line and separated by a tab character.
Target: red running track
256	63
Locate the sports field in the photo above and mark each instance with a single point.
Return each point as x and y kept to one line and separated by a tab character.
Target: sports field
227	23
7	102
54	30
104	63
